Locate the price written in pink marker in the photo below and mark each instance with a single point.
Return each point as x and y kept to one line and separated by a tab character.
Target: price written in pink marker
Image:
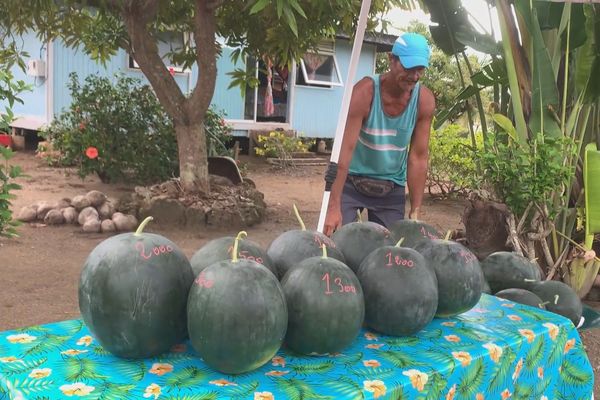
392	260
467	256
154	251
203	282
338	285
245	255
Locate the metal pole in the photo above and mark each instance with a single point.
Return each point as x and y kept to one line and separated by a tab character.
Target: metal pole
341	125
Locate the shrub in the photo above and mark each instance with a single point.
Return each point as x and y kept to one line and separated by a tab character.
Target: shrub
452	168
278	144
7	175
121	132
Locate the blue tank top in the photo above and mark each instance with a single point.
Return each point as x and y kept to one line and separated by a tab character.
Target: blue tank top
381	151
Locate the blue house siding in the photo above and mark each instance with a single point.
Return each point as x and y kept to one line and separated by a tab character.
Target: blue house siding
316	109
34	102
229	100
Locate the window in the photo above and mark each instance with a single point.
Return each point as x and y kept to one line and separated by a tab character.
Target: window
167	42
319	69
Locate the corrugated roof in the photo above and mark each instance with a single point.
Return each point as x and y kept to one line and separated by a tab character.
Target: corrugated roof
383	41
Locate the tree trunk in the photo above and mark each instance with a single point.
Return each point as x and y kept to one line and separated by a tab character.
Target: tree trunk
485	227
193	162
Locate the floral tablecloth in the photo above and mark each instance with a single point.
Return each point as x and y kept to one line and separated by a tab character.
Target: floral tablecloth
498	350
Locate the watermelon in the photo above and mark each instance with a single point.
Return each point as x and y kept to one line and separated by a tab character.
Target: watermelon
522	296
413	232
459	276
357	239
237	315
400	290
220	249
506	270
133	293
325	305
291	247
559	298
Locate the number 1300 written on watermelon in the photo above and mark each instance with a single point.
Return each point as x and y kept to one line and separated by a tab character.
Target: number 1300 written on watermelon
338	286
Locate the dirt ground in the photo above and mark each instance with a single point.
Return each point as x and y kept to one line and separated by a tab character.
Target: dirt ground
39	271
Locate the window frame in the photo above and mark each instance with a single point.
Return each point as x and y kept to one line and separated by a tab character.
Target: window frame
326	48
187	37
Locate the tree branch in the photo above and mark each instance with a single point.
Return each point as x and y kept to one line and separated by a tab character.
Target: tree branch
145	52
206	57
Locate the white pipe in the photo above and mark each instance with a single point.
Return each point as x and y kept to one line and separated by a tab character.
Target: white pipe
339	133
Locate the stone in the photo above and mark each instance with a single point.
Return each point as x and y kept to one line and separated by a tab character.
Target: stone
92	225
106	210
87	213
108	226
42	209
95	197
70	215
80	202
27	214
63	203
54	217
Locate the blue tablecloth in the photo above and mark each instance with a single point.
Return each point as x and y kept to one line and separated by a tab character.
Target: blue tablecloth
498	350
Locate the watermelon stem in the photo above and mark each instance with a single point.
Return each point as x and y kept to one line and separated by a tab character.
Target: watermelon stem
400	242
324	251
140	228
556	297
302	226
448	234
359	216
234	253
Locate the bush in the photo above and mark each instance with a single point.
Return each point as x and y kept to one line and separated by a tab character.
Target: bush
278	144
121	132
7	175
452	168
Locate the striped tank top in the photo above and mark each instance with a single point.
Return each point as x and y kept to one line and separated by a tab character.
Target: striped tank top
382	148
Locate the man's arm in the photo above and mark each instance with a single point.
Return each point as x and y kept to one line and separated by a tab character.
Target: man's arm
418	155
360	104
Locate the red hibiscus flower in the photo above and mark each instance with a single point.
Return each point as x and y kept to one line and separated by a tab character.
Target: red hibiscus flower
91	152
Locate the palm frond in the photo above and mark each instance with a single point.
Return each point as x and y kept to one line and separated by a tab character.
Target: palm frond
523	391
345	388
45	344
501	372
243	391
101	351
110	391
72	327
296	389
431	334
472	379
535	354
472	334
22	367
531	313
80	369
187	377
402	341
401	359
349	360
558	346
573	374
313	368
33	329
132	371
194	396
397	392
541	388
440	358
434	387
372	373
29	386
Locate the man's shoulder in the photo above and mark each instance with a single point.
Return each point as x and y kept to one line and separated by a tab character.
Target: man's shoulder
426	100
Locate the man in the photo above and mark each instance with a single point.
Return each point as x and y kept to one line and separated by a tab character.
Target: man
386	140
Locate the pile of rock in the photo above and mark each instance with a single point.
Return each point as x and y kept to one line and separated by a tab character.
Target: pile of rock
93	211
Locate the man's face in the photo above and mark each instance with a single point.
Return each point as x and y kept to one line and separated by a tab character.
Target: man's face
406	78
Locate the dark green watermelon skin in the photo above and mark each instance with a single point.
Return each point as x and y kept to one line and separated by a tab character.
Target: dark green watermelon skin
132	299
568	304
220	249
522	296
291	247
357	239
326	307
413	232
459	276
400	290
237	316
507	270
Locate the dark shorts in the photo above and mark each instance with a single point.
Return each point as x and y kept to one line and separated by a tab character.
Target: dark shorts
382	210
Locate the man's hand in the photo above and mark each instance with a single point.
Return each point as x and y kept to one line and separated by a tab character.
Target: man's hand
414	213
333	220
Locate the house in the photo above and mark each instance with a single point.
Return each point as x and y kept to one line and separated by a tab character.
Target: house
306	99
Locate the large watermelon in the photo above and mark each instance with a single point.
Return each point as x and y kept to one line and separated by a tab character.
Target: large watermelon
559	298
506	270
413	232
133	293
400	289
325	305
459	276
291	247
220	249
357	239
237	315
522	296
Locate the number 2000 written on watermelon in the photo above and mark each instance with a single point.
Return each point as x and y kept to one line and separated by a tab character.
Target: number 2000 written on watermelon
337	284
155	251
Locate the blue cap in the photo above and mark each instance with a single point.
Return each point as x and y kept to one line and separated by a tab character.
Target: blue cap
412	49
